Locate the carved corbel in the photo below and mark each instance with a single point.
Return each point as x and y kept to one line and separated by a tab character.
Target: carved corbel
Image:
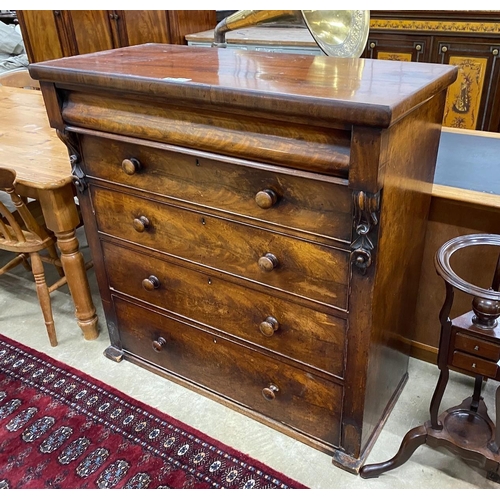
78	174
366	212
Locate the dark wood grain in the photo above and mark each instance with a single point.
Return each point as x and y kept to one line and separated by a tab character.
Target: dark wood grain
50	34
218	243
364	92
233	192
304	334
306	204
277	142
222	366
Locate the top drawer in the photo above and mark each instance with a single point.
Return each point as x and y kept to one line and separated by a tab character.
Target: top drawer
266	194
477	347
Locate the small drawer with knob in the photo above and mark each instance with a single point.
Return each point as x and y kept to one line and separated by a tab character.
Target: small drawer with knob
288	329
474	364
292	265
277	390
477	347
317	204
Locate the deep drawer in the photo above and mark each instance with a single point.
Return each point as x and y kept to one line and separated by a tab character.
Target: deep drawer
300	400
305	269
309	205
303	334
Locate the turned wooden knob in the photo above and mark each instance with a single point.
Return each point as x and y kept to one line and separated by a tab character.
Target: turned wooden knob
266	198
141	223
269	326
131	165
268	262
151	283
270	392
158	344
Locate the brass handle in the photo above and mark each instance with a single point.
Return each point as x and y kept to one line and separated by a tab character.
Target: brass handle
268	262
131	165
495	52
269	326
444	49
141	223
158	344
266	198
151	283
418	47
270	392
373	45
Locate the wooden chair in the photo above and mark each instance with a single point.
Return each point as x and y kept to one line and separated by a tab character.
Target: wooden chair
19	78
21	233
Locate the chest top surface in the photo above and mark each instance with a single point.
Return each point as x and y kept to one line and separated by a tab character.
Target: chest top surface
358	91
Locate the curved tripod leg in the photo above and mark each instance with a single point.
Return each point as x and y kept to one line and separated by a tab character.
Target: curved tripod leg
413	439
437	398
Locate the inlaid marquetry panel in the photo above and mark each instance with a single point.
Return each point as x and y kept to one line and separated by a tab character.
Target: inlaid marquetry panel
431	25
394	56
464	96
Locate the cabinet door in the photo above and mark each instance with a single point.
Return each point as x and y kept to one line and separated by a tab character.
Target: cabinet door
135	27
43	34
185	22
470	98
91	30
398	47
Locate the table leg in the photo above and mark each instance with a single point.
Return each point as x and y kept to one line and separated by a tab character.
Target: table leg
61	217
76	275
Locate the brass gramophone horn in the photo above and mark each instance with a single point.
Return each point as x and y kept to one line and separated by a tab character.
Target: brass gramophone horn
339	33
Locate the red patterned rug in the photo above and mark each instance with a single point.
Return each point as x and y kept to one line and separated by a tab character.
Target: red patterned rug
60	428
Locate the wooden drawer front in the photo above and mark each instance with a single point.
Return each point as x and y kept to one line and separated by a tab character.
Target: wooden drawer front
302	334
317	207
474	364
303	401
305	269
477	347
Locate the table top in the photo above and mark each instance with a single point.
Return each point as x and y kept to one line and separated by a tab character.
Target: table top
277	37
27	142
468	167
352	91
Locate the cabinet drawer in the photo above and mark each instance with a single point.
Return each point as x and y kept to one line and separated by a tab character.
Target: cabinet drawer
308	205
302	268
477	347
302	401
474	364
300	333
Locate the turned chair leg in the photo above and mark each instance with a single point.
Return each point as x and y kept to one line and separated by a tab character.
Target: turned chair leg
54	255
43	297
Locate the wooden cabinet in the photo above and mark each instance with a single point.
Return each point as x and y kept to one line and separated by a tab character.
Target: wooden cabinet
469	40
51	34
259	242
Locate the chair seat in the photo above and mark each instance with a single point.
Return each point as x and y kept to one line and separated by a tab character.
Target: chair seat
33	243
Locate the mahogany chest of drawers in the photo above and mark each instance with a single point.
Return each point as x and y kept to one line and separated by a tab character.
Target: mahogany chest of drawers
256	222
